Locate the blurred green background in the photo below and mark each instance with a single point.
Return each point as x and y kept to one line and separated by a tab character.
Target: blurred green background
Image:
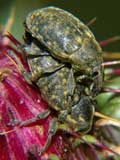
107	13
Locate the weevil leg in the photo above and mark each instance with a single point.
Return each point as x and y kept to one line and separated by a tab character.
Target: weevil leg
21	69
32	50
52	130
71	83
28	77
40	116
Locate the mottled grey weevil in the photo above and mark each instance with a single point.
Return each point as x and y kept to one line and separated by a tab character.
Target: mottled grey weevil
65	63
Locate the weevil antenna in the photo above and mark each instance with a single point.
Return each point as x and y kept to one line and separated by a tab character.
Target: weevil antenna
92	21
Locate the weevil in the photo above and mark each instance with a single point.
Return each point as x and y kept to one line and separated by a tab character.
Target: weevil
65	63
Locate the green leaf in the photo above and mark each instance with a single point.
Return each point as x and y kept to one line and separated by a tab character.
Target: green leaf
89	138
53	157
112	108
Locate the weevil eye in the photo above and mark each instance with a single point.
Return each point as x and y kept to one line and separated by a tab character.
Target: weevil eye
95	74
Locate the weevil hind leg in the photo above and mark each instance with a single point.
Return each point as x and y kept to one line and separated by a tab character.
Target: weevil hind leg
52	130
40	116
24	123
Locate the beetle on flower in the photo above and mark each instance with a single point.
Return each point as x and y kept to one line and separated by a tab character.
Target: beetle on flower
65	63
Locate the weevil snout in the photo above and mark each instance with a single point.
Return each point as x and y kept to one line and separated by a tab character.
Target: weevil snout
81	116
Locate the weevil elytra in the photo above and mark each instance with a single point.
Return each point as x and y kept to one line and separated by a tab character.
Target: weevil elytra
65	63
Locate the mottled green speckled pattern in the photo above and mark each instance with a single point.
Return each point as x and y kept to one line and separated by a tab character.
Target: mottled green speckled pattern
65	63
66	37
58	88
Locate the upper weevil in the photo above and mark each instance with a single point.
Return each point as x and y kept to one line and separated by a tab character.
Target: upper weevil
65	63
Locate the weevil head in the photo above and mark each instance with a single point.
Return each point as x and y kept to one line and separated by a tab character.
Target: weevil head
81	117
